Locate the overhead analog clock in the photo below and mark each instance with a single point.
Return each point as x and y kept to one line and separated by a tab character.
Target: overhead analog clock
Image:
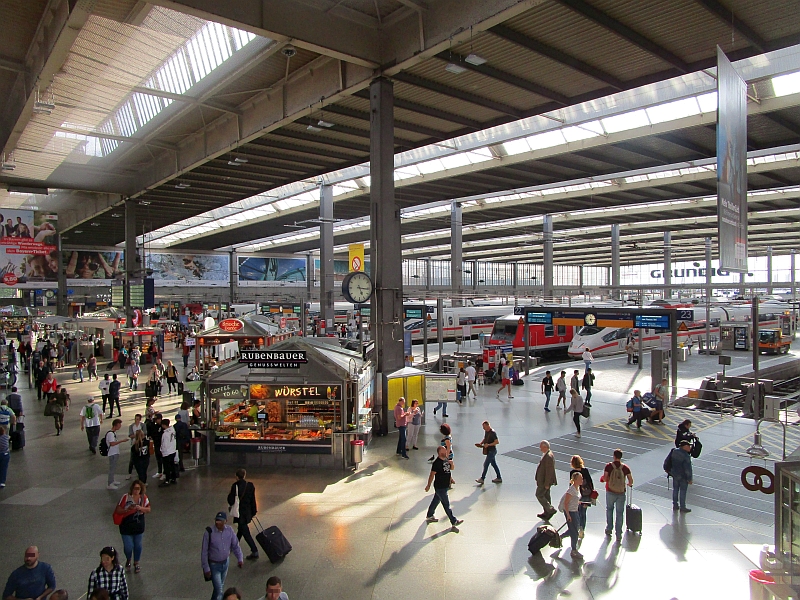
590	319
357	287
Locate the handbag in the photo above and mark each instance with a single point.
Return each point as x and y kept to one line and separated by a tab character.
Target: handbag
151	447
485	450
233	510
56	408
48	409
75	375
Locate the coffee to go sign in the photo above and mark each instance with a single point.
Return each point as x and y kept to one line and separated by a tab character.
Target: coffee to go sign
266	359
231	325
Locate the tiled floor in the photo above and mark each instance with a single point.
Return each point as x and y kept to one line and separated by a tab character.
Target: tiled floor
363	535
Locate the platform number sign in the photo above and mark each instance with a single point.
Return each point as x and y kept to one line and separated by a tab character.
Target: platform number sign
686	315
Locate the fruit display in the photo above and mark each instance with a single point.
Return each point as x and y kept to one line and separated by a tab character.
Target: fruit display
274	412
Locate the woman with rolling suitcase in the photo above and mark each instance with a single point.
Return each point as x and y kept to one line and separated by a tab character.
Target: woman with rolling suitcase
242	507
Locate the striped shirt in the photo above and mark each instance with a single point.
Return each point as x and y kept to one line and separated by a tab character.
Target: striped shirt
4	443
113	581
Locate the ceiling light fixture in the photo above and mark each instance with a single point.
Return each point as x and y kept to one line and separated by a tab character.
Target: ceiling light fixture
455	69
144	202
116	215
241	160
233	163
78	231
182	185
314	128
323	123
474	59
94	224
43	105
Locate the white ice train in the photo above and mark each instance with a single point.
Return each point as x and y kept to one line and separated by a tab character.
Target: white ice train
604	341
479	319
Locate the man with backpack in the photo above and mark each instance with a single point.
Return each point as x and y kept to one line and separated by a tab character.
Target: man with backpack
614	476
218	543
110	447
586	384
678	464
561	388
547	389
635	406
91	418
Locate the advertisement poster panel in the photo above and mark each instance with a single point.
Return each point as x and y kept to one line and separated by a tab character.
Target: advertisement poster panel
189	269
731	166
92	267
259	270
28	241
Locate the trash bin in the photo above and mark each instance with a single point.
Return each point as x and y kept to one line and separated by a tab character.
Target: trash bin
356	451
198	448
758	585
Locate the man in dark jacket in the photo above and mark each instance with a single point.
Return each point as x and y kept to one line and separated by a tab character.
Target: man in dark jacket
40	372
586	384
681	475
183	436
245	491
154	432
113	395
545	479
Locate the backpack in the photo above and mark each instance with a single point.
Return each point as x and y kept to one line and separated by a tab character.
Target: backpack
668	464
697	448
616	480
629	405
104	445
89	412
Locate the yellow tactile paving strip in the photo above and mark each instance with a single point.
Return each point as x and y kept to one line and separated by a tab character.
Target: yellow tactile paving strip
771	439
673	418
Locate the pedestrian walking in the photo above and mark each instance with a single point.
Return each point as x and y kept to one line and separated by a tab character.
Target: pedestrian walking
132	508
49	386
34	579
576	407
274	590
232	594
58	406
80	366
137	425
103	387
574	383
561	388
587	359
109	576
172	377
635	406
681	472
570	503
112	443
472	376
461	385
547	389
7	417
15	402
587	491
242	507
183	438
400	421
169	449
155	432
91	418
91	367
587	384
489	446
505	380
140	449
684	433
441	478
414	424
630	349
40	374
132	371
5	455
614	475
545	479
218	543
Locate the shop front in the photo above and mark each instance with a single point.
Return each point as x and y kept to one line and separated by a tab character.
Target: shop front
296	403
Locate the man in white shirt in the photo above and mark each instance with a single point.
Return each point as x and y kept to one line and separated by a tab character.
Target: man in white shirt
471	376
91	418
169	450
103	387
113	451
274	590
587	359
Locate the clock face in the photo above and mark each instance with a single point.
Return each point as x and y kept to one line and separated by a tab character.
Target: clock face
590	319
357	287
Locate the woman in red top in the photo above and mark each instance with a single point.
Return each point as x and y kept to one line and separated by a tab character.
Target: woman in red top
50	386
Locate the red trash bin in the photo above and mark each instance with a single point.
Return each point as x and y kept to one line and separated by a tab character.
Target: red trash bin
356	451
758	585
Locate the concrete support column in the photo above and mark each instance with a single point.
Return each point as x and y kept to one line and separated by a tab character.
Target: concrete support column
456	268
234	275
769	269
309	291
474	280
131	262
427	273
547	276
615	278
708	292
667	264
61	295
326	276
741	283
514	278
580	278
793	276
385	247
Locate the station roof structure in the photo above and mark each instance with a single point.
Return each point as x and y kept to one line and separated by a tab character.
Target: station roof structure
220	119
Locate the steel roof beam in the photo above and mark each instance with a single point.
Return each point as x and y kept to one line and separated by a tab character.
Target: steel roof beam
398	124
446	90
505	77
727	16
319	139
783	122
686	144
593	14
520	39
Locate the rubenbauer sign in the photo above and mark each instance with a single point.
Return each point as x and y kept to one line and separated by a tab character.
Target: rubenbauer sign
266	359
731	166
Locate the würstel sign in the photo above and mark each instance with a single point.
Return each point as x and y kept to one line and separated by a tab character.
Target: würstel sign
273	359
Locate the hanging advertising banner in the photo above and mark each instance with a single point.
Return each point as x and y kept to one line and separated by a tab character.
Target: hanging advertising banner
731	166
356	257
29	245
92	267
259	271
189	269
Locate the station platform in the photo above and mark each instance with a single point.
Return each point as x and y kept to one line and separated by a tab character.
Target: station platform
362	535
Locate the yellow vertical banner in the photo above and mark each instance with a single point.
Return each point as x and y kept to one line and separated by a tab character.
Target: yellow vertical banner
356	257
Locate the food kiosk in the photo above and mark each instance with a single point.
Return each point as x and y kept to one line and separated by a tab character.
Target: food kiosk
296	403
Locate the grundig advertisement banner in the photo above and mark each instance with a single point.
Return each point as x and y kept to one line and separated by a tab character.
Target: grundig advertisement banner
731	166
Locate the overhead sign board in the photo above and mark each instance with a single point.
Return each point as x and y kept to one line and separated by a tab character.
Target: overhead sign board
652	321
231	325
266	359
539	318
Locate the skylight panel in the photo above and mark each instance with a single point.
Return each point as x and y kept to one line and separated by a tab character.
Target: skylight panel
548	139
455	160
783	85
430	166
707	102
516	147
479	155
583	131
670	111
625	121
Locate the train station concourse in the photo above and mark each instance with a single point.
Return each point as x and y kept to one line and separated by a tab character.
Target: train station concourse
260	229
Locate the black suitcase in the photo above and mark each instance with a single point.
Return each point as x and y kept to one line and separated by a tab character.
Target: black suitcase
633	516
275	545
180	388
18	437
545	535
636	359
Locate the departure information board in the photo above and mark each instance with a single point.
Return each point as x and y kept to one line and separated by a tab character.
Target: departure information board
652	321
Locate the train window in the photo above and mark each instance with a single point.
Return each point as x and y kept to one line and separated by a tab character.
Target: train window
611	335
504	331
589	331
549	331
449	320
561	330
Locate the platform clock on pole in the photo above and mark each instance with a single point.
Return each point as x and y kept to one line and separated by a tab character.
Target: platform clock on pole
357	287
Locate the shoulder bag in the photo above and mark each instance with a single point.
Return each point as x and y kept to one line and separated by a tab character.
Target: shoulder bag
233	510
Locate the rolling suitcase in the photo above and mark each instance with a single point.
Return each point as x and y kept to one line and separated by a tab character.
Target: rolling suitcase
545	535
180	388
633	516
275	545
18	437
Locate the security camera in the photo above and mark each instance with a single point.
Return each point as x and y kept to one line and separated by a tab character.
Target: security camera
289	51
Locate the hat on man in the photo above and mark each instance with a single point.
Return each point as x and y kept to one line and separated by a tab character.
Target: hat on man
177	417
221	516
686	443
